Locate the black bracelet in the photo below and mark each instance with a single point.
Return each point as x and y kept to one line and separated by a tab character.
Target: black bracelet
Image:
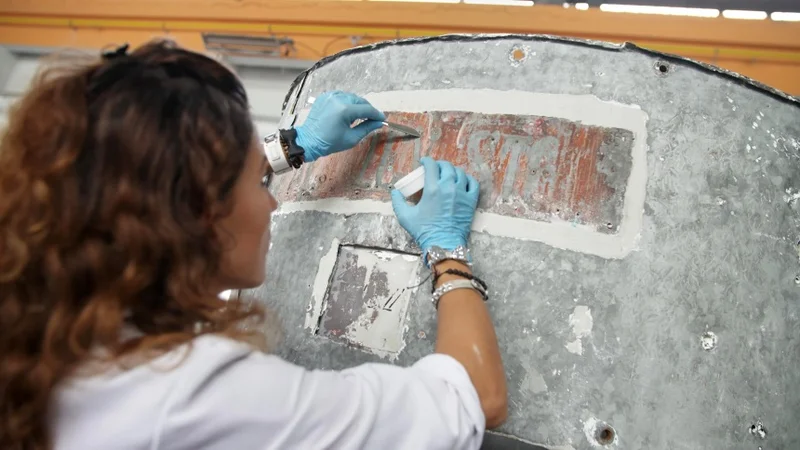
458	273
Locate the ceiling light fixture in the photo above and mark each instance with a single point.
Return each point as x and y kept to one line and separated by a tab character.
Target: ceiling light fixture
500	2
418	1
745	15
661	10
785	16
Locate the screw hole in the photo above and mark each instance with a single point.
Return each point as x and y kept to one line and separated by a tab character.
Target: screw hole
605	435
518	54
661	67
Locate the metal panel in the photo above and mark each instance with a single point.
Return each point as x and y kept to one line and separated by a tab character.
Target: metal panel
366	300
599	350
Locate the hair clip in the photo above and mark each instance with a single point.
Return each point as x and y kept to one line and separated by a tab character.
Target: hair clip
122	50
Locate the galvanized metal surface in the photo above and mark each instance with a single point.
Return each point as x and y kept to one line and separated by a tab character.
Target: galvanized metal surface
689	342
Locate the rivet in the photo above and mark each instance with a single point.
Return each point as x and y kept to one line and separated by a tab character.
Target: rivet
757	429
517	56
708	340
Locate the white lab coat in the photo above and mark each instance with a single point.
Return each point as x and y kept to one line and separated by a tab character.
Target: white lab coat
224	396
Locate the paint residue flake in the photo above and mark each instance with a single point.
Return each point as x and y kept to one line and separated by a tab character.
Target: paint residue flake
575	347
533	382
791	196
582	323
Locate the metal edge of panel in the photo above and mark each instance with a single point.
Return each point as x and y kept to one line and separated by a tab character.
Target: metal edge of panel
293	95
495	440
297	85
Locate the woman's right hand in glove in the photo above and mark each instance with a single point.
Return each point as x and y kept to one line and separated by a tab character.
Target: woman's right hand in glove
443	217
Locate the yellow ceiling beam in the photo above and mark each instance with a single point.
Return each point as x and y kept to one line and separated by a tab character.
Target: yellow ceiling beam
374	33
430	17
765	50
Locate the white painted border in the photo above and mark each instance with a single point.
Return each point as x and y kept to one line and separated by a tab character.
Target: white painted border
586	109
326	265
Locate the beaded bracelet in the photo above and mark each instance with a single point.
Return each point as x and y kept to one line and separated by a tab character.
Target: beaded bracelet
458	273
457	284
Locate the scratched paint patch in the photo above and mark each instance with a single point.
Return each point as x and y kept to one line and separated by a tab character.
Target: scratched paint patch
530	167
367	298
569	210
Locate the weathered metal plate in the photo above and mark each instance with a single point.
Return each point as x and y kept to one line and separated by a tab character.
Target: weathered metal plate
530	167
692	328
367	298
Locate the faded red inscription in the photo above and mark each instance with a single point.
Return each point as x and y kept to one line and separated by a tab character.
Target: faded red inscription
528	166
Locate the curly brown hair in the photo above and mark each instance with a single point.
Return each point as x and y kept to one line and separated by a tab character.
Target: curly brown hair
112	175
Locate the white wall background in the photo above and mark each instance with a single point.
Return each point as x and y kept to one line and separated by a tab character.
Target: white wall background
266	89
266	86
15	75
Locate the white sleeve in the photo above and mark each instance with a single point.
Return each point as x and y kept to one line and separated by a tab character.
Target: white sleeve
231	398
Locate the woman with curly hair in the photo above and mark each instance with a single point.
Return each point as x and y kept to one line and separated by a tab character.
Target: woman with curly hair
132	192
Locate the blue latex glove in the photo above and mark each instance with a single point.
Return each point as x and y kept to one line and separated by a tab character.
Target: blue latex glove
443	217
328	127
